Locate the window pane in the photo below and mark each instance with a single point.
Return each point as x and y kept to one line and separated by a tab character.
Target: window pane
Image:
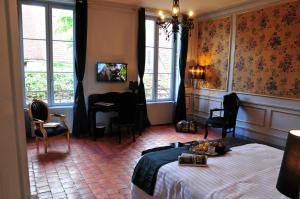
63	56
149	65
164	85
33	22
35	55
150	31
63	87
163	41
165	60
36	86
35	66
62	24
148	83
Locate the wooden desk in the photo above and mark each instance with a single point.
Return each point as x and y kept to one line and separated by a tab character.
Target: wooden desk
107	102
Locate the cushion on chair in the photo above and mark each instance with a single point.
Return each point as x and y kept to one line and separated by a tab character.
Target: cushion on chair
52	131
217	121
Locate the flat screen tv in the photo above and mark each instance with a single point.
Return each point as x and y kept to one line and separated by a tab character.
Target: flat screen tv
111	72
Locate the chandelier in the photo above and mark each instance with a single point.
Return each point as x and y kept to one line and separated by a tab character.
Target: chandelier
175	21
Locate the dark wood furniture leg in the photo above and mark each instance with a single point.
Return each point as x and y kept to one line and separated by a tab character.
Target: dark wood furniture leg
206	131
224	132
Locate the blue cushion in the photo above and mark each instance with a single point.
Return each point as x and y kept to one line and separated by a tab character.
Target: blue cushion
217	121
53	131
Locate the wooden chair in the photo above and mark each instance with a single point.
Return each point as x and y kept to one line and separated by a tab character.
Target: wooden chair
126	115
40	116
231	104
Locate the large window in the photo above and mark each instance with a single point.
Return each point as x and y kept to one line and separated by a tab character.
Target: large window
160	64
47	46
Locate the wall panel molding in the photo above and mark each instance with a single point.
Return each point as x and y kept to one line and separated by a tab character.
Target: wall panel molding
257	117
284	121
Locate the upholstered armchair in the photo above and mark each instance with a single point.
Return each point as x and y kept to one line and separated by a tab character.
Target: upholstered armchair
40	117
227	122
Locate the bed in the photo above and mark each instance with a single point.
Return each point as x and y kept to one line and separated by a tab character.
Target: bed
248	171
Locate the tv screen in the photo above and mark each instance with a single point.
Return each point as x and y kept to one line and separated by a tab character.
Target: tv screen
111	72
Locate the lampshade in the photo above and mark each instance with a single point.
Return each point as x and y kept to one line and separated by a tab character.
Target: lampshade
197	72
289	176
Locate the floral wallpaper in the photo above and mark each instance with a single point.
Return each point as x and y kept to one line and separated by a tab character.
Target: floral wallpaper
213	52
267	52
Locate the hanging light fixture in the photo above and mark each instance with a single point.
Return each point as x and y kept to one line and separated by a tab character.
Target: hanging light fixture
175	21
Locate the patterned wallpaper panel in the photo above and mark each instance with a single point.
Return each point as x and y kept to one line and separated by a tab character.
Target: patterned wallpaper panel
267	52
213	52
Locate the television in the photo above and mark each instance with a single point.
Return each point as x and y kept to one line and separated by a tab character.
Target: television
111	72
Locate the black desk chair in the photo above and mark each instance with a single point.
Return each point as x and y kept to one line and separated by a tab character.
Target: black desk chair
231	106
40	116
126	114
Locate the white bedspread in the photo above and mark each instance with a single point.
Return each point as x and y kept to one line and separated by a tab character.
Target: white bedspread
247	172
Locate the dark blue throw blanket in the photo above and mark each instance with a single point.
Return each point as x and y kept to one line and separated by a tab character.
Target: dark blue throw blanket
145	172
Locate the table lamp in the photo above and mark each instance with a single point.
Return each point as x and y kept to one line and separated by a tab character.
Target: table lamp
288	182
198	72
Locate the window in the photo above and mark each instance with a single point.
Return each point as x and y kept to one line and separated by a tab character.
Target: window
160	64
47	52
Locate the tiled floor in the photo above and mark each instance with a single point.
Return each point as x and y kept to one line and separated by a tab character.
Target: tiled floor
100	169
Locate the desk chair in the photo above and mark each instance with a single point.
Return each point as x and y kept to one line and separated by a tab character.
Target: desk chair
126	115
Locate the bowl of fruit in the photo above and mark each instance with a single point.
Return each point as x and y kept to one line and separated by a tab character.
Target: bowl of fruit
205	148
200	148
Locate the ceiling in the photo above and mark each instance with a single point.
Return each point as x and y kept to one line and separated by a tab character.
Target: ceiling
200	7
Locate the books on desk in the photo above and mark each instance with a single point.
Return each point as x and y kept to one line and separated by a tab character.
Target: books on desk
104	104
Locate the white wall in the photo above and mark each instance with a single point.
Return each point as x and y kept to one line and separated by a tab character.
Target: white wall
265	118
14	181
161	113
112	37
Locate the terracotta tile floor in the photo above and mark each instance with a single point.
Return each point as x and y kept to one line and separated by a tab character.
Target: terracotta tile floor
95	169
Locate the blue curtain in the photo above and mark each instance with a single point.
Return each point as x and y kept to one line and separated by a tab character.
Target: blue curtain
80	119
141	56
180	109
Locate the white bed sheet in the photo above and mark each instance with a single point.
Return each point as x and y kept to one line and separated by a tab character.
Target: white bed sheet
247	172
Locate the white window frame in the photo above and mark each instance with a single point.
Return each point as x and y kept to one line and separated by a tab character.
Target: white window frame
155	70
49	45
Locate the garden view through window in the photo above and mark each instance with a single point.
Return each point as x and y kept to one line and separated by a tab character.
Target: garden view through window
48	56
159	76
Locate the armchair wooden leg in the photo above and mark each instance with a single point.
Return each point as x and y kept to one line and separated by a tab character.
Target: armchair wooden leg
224	132
233	133
68	138
206	131
46	144
37	142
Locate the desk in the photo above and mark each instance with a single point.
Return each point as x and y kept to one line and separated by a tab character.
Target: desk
99	107
107	102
